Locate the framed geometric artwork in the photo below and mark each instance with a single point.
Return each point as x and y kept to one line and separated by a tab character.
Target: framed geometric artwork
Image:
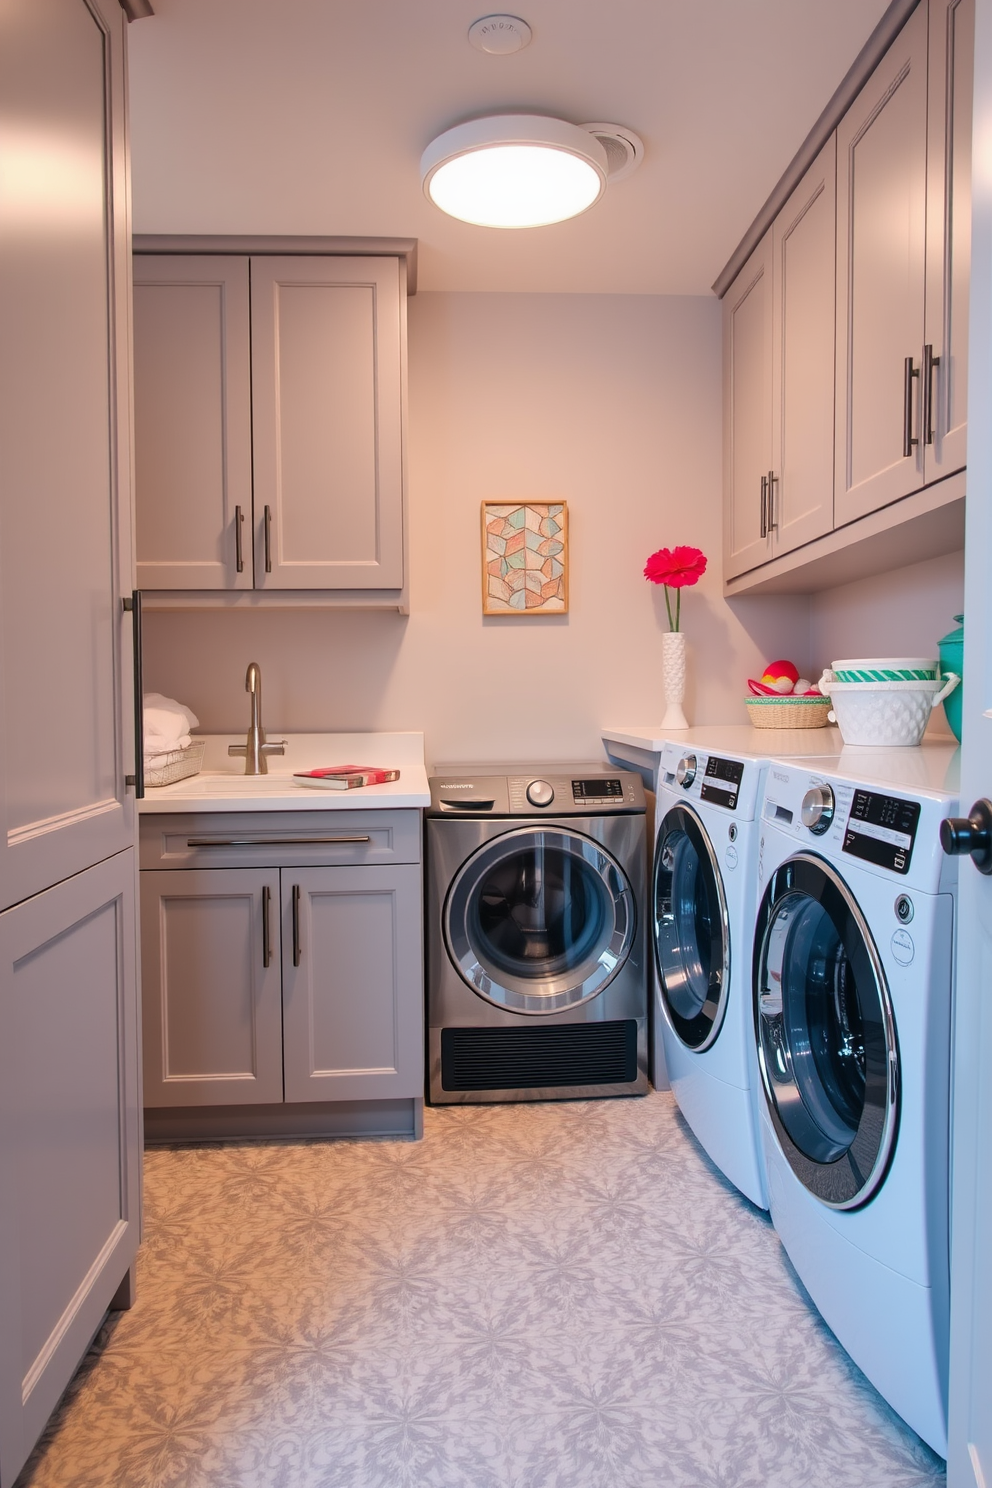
524	557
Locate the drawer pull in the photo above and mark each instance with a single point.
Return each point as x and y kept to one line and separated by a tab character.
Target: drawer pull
297	951
274	841
266	933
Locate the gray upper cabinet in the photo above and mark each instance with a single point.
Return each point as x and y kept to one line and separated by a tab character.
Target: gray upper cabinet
747	402
192	416
951	75
65	553
778	327
801	486
881	277
269	397
326	401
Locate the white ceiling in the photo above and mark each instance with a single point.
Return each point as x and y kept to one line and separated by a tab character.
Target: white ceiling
309	116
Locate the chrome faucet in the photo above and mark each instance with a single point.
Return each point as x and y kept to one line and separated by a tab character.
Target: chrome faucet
255	748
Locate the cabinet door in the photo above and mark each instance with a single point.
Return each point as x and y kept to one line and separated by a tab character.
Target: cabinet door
70	1154
65	441
747	407
952	46
801	501
192	418
881	268
210	958
327	422
352	983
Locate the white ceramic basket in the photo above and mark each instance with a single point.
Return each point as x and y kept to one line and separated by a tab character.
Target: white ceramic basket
885	713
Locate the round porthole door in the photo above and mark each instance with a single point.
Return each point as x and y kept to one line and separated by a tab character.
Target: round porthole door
691	929
539	920
826	1034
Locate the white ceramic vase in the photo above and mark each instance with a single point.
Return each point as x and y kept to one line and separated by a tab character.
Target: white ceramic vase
673	678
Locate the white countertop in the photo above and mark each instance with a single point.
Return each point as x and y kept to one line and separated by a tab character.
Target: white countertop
222	784
739	737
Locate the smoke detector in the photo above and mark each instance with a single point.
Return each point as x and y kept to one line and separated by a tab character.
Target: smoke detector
499	34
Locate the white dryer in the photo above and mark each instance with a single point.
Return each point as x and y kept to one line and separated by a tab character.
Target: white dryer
852	986
703	904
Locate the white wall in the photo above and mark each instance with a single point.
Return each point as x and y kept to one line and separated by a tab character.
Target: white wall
611	403
902	613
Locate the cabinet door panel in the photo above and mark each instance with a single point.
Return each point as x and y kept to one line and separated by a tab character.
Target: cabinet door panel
802	502
64	437
353	1007
881	223
69	1134
212	1011
192	414
747	401
952	46
326	408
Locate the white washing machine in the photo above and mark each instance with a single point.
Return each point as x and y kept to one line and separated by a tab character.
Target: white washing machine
852	1013
703	904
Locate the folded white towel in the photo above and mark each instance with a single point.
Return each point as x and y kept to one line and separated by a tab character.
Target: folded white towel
166	725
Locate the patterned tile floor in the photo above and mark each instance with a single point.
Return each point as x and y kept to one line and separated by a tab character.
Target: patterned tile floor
545	1296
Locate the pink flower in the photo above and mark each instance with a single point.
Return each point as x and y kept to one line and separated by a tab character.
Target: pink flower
676	568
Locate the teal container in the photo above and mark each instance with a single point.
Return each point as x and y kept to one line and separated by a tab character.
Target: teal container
951	652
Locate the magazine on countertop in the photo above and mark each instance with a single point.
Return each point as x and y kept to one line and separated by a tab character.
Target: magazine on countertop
345	777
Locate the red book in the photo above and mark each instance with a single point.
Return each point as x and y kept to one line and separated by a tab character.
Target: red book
345	777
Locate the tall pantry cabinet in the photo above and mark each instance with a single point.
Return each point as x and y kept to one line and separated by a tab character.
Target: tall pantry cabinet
69	1094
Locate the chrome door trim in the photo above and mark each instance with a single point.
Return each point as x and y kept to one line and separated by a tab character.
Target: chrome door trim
829	1182
525	995
688	822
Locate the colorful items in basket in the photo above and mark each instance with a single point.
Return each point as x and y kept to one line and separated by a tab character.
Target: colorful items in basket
885	701
781	699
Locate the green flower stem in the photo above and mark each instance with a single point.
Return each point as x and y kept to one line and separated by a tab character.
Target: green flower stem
668	607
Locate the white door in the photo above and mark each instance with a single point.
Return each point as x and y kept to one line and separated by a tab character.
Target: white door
970	1424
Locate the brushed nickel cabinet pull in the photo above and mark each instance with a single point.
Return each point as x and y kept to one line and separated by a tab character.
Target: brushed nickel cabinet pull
909	442
239	522
297	950
274	841
929	362
772	524
266	933
133	604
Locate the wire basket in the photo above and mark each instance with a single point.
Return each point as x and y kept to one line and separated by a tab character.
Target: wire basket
178	764
788	713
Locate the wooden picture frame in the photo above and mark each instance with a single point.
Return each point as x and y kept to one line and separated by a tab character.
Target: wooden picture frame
525	558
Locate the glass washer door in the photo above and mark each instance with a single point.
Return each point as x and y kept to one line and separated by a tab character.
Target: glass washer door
691	929
538	920
826	1033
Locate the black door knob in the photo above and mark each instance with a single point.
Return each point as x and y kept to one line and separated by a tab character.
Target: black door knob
962	836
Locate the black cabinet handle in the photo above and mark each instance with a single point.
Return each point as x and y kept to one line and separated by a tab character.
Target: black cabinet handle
239	523
297	951
772	524
268	539
909	442
764	506
138	778
266	932
970	836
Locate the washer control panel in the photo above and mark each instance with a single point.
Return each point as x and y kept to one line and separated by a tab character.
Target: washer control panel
556	790
712	779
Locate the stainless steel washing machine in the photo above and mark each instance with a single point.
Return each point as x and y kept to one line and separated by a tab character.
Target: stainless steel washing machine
536	944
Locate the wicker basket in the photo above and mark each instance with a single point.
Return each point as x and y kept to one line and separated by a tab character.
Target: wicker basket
178	764
788	712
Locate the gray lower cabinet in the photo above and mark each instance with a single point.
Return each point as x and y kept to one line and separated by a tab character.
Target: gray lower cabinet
294	979
70	1136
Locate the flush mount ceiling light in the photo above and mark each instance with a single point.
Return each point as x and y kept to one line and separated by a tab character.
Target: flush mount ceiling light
522	170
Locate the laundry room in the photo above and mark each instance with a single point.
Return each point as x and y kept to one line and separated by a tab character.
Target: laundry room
569	1089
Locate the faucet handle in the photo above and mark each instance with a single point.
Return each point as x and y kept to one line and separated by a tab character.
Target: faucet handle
241	749
278	746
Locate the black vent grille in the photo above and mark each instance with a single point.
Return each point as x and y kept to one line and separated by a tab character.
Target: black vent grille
547	1057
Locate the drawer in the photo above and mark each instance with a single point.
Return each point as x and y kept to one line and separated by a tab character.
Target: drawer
279	839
